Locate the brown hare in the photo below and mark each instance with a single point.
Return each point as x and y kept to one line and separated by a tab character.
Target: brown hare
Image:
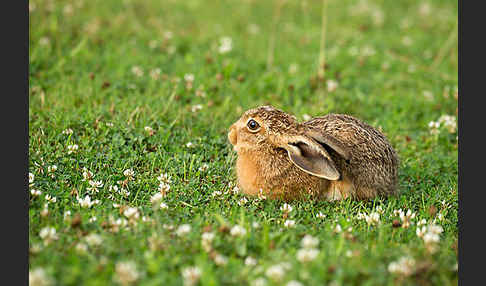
331	157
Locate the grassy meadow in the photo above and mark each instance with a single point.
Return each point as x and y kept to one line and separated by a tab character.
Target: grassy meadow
131	175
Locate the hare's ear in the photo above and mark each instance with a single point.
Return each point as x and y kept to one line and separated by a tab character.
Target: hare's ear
328	141
312	159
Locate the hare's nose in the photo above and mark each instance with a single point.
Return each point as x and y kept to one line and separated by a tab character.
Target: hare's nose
233	138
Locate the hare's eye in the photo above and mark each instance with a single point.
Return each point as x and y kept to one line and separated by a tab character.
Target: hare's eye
252	125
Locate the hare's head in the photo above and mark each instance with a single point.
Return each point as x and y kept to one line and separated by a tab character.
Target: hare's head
267	130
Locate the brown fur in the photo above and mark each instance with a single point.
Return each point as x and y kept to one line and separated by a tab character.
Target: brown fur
263	162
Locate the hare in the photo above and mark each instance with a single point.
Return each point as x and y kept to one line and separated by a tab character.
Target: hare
332	157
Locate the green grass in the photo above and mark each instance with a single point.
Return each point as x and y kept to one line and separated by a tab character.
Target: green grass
396	66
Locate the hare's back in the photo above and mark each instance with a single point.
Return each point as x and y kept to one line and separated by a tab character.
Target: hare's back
374	163
363	140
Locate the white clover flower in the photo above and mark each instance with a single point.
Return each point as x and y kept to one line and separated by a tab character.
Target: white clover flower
260	195
72	148
250	261
406	218
293	283
68	10
275	272
428	94
94	186
109	124
126	273
260	281
50	199
163	206
421	231
196	108
86	202
225	45
156	198
31	178
286	208
430	235
183	230
191	275
131	213
440	216
124	192
217	193
255	225
93	239
220	260
149	130
404	266
129	173
337	228
164	188
307	254
422	222
309	241
67	215
48	234
237	231
136	70
81	247
35	193
164	178
371	219
39	277
425	9
430	238
242	201
289	223
206	240
332	85
189	77
87	175
190	145
435	229
320	215
449	122
434	125
203	167
208	236
306	117
52	169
